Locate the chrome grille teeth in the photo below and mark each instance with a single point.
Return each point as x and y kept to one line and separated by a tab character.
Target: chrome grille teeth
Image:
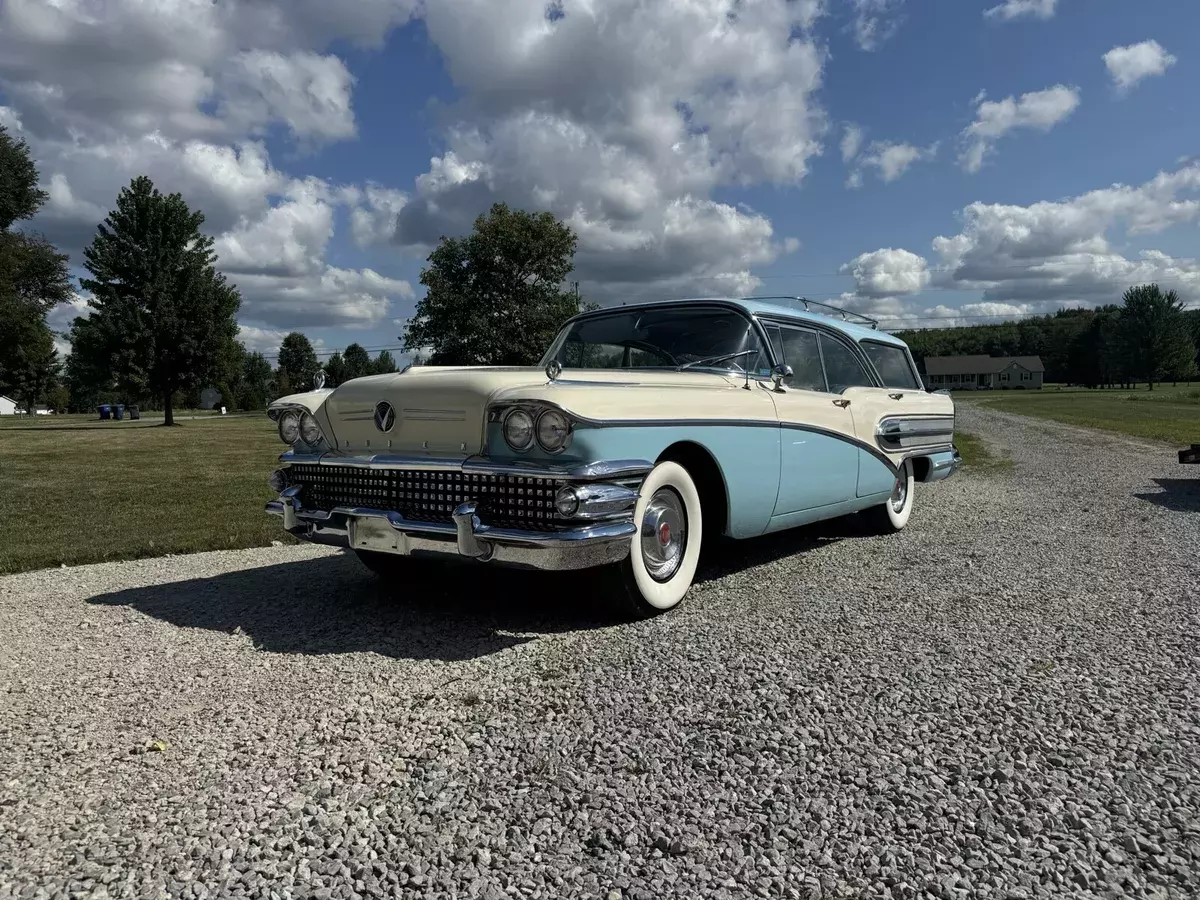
513	501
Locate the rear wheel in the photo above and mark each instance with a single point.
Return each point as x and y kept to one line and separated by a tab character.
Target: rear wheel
892	516
663	555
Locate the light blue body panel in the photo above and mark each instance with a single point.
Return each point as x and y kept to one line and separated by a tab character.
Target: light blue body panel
815	470
874	476
821	485
833	510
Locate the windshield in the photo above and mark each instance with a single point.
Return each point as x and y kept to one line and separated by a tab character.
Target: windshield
666	338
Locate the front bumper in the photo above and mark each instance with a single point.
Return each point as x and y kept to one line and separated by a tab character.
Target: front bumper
600	535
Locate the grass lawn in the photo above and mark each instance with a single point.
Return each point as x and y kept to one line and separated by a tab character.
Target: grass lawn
976	455
1168	413
76	490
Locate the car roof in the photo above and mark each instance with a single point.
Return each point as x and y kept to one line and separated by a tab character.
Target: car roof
783	308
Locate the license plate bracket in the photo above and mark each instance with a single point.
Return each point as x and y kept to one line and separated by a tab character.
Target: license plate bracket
376	534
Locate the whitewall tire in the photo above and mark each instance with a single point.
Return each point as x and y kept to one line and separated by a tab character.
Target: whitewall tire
664	553
893	515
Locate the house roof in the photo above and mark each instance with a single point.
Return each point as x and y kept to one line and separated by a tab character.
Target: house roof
979	365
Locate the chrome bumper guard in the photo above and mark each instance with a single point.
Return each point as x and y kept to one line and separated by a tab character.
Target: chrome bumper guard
1190	457
602	534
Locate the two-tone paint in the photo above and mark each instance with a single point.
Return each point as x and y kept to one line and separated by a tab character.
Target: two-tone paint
786	456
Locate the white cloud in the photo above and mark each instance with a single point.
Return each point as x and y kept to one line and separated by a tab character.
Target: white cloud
1036	110
875	21
181	91
373	219
891	160
1037	258
308	92
1130	64
852	138
622	120
887	272
1021	9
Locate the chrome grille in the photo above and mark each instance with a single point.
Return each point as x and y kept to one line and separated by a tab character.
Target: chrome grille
504	501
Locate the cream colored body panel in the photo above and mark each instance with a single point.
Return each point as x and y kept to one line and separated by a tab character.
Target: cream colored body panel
870	406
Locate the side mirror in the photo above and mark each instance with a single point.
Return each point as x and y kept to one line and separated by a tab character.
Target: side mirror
782	375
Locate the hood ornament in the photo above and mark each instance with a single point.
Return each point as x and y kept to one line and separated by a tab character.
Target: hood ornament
553	369
318	380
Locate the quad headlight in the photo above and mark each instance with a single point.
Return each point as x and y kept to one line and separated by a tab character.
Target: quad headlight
518	429
553	431
310	431
289	427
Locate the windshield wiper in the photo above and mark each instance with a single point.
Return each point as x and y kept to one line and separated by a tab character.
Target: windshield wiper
714	359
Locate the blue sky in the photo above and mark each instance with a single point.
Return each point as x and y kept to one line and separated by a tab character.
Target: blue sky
329	148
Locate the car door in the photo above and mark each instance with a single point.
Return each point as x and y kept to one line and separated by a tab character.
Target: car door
818	463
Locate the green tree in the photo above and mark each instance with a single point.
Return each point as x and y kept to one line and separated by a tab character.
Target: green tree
167	313
358	362
384	363
297	363
335	370
254	386
58	398
496	297
89	373
20	196
33	280
1156	336
30	364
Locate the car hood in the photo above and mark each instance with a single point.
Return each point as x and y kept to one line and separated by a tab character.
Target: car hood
441	410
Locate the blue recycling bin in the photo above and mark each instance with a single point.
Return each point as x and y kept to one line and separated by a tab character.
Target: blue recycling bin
118	411
105	411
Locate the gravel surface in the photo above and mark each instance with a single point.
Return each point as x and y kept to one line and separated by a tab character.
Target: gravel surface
999	702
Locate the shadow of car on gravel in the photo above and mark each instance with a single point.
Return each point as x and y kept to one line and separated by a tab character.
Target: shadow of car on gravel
332	604
1178	494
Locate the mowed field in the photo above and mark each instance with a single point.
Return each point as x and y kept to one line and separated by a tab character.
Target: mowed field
1169	413
77	490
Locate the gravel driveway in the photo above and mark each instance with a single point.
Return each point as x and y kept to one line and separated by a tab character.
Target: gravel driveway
1002	701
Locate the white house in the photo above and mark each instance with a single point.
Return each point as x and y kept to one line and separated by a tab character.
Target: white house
8	406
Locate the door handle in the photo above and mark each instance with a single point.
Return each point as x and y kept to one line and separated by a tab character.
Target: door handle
842	402
896	396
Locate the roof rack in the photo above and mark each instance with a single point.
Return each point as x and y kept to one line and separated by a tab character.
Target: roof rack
844	314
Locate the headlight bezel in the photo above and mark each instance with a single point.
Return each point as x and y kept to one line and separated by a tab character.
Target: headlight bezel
509	416
549	414
289	419
307	421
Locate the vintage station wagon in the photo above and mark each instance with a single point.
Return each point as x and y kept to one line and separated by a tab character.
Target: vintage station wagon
647	431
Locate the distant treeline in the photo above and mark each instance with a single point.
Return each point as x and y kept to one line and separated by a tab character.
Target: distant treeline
1154	340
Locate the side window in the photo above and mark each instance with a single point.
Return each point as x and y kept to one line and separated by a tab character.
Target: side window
891	363
842	366
799	350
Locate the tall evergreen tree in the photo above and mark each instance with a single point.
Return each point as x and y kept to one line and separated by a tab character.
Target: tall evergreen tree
335	370
33	280
297	364
166	313
358	361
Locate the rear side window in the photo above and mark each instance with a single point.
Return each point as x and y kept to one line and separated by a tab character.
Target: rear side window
842	367
892	365
798	349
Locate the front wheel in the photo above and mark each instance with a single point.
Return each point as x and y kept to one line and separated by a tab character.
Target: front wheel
663	554
892	516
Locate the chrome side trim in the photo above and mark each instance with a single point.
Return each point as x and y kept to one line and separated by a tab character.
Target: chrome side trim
603	501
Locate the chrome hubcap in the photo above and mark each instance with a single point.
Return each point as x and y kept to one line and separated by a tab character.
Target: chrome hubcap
664	534
900	491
